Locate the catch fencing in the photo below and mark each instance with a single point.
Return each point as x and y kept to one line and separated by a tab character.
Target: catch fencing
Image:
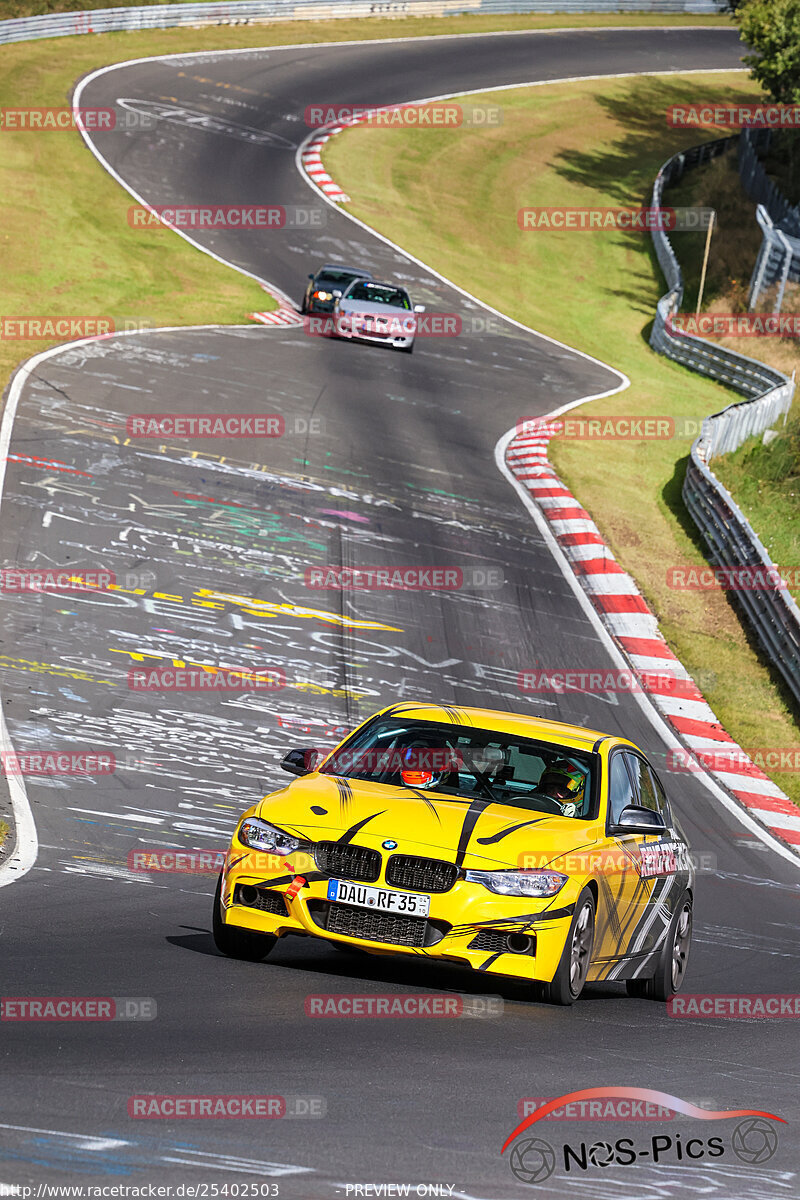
729	538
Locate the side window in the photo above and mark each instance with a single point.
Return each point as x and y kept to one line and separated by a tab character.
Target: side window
651	793
663	802
620	788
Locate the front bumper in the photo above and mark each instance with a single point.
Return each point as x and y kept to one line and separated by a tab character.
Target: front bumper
345	327
467	925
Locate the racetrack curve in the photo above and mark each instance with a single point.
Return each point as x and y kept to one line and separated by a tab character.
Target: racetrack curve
401	472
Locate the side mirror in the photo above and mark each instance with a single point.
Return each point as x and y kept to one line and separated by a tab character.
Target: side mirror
637	818
311	277
300	762
419	308
336	295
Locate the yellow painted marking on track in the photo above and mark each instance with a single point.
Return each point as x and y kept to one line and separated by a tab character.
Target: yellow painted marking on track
267	609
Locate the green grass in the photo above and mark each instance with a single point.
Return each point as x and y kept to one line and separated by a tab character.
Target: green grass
765	481
4	831
451	197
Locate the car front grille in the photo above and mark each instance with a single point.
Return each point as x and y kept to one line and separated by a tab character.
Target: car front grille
343	860
373	926
420	874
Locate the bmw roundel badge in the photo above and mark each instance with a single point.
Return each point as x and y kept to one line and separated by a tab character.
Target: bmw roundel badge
390	845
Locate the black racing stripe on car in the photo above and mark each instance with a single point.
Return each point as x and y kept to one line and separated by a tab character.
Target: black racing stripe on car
492	958
516	924
470	820
236	861
277	882
662	885
345	794
610	909
555	914
457	715
498	837
427	802
350	833
604	738
626	938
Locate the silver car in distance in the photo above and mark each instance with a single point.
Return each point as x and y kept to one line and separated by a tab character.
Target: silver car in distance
376	312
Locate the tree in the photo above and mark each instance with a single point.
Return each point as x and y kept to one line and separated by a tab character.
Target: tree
772	29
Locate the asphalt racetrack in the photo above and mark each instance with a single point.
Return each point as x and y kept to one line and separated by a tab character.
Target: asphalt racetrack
387	459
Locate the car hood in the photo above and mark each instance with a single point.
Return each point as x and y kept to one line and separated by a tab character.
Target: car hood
473	834
363	307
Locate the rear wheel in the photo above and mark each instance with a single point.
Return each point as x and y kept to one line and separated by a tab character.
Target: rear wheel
238	943
672	960
567	983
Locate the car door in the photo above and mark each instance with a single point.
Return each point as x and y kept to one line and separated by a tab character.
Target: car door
623	896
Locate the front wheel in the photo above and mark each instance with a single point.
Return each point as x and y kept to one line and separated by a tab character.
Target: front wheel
672	960
238	943
406	349
567	983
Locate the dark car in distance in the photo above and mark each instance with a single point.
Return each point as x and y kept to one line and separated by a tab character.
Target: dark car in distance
332	278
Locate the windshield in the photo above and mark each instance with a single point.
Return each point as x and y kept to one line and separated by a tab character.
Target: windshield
379	293
331	275
472	764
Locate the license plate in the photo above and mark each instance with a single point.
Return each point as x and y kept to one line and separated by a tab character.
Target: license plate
381	899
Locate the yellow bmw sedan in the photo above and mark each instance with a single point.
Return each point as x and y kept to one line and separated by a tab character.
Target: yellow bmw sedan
519	847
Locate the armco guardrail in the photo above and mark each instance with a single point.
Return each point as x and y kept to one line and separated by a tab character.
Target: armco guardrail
728	535
168	16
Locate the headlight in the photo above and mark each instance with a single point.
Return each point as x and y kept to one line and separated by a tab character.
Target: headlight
323	296
258	835
519	883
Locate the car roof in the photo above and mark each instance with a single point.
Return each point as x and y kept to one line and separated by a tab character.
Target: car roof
344	267
524	725
381	283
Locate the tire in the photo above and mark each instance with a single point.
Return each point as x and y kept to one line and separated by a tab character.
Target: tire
567	983
406	349
238	943
672	960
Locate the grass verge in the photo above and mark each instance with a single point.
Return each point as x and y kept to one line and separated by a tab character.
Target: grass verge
451	198
765	481
67	247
